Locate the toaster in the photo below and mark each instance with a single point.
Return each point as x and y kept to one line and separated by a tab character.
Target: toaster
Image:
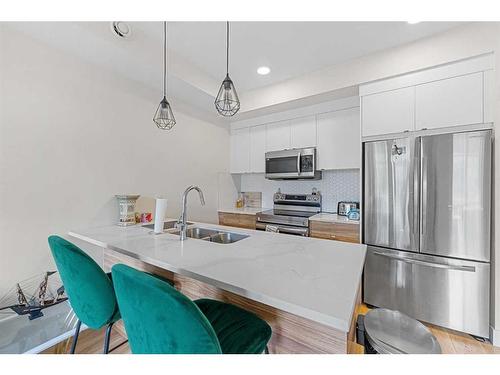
343	208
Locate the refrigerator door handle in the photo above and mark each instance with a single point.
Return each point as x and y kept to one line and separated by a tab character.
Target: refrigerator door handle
427	264
423	192
416	192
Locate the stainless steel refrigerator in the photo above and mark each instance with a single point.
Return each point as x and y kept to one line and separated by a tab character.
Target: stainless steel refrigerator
426	221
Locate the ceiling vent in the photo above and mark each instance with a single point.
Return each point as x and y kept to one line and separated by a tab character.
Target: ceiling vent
121	29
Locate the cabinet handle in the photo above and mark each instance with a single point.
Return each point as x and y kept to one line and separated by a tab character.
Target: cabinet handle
333	236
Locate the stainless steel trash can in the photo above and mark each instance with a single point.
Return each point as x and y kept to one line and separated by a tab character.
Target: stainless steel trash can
391	332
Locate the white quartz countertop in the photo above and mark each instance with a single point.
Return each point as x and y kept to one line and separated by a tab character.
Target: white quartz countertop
312	278
243	210
332	218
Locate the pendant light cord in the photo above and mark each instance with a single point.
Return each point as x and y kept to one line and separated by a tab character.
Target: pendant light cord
227	47
164	58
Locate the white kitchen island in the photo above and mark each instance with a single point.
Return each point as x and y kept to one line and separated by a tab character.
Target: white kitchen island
307	289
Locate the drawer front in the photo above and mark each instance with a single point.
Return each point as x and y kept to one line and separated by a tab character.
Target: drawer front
237	220
449	293
335	231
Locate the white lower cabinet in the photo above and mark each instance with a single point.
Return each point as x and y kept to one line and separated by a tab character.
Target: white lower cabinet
450	102
339	143
257	149
240	151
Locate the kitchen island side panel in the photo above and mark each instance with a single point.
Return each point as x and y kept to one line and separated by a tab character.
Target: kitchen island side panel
291	334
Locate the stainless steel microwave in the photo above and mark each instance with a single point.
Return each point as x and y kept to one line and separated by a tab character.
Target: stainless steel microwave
294	164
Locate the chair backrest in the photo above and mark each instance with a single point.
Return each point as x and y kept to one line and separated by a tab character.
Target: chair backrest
158	318
89	289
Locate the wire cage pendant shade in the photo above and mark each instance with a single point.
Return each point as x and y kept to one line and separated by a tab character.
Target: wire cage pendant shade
164	117
227	102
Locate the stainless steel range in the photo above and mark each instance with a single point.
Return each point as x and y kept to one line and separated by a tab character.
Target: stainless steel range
290	213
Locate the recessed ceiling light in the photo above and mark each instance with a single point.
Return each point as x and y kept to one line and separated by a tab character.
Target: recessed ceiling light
263	70
413	22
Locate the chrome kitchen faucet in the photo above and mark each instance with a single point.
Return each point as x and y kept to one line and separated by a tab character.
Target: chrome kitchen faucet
181	223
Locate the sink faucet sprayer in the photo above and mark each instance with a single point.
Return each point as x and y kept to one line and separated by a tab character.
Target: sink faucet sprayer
181	223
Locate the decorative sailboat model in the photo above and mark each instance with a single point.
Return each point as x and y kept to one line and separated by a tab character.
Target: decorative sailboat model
22	302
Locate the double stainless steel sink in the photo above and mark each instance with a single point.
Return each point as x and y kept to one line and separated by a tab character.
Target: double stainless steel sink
212	235
166	225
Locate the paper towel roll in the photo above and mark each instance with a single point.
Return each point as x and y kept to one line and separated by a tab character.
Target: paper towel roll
160	211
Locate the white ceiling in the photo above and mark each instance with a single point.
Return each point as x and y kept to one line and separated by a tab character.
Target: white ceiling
290	49
197	49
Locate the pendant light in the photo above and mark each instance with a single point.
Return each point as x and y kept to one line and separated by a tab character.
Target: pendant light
227	102
164	117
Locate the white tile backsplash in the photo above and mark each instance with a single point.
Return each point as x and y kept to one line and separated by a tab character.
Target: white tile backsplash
335	186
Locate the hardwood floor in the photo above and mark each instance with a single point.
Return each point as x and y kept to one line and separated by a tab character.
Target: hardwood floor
452	342
91	342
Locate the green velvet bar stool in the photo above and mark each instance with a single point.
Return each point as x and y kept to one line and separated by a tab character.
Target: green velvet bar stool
89	289
159	319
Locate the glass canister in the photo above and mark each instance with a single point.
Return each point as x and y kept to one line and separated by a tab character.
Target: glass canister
240	202
126	204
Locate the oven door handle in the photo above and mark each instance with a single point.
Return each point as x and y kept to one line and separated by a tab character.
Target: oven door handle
300	231
299	155
427	264
284	229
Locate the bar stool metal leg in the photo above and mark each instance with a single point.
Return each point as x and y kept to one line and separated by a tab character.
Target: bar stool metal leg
75	337
107	337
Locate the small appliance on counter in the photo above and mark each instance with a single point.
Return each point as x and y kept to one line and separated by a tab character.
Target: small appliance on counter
344	207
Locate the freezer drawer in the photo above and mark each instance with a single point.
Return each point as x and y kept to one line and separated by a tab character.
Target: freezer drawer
449	293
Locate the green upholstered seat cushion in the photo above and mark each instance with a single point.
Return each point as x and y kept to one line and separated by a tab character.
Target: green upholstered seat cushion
158	318
89	289
239	331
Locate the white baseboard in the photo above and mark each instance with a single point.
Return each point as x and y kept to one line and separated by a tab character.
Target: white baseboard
495	336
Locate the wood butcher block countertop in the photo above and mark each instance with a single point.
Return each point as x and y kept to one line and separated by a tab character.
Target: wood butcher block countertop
312	278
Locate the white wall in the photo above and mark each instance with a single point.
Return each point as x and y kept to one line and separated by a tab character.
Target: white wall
72	136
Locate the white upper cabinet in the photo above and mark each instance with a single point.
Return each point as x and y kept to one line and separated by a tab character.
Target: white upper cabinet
388	112
450	102
303	132
257	149
339	144
335	134
278	135
240	150
456	94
